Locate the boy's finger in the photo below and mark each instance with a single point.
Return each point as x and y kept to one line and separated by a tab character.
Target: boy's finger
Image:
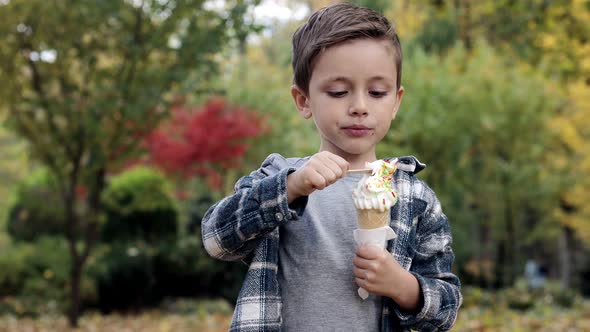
368	251
341	162
328	173
360	273
361	282
360	262
316	180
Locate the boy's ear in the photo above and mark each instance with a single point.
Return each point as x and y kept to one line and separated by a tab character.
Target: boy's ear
399	95
301	102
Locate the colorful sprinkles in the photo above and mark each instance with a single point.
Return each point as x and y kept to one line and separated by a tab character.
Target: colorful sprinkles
372	191
381	177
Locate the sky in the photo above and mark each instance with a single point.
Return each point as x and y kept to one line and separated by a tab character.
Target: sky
268	10
278	9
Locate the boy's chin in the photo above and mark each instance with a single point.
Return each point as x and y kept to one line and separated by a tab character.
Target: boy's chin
357	151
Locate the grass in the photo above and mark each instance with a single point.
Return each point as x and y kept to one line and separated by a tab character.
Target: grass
150	321
503	319
215	316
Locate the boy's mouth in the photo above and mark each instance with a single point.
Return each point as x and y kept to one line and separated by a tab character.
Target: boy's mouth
357	130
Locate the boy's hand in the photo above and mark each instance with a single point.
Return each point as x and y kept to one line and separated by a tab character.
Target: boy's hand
379	273
320	171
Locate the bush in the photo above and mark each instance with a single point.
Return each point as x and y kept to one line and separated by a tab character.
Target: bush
139	275
521	297
196	211
14	269
556	294
478	297
139	206
50	278
37	209
125	278
183	269
518	299
37	273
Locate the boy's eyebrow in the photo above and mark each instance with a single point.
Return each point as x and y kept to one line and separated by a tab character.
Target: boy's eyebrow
382	78
344	79
338	79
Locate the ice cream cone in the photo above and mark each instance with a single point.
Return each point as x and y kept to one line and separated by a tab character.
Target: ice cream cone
372	218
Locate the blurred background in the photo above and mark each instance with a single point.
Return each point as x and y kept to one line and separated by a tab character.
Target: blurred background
122	121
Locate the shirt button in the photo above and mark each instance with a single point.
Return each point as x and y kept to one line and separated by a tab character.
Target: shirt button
279	216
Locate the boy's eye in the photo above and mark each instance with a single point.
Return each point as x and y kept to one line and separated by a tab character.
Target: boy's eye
336	94
378	94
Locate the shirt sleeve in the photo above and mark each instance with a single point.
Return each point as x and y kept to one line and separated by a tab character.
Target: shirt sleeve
232	227
433	259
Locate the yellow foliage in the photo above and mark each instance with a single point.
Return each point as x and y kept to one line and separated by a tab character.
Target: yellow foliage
573	129
548	41
408	17
568	132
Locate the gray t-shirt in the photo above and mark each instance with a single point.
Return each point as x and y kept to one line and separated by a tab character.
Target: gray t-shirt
315	266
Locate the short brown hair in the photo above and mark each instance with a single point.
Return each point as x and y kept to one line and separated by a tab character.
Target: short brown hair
337	24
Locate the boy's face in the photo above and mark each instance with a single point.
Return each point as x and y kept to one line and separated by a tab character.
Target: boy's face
352	98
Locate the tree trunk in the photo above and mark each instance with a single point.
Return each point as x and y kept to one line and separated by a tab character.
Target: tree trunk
500	267
511	253
565	266
91	233
476	235
75	278
465	23
75	268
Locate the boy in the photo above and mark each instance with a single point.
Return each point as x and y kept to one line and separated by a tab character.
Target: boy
292	219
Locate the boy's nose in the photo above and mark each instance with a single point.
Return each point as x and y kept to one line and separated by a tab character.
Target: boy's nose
358	107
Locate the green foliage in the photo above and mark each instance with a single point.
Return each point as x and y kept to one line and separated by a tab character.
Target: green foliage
14	269
85	81
14	166
564	297
49	270
139	275
377	5
98	72
438	34
519	297
37	273
37	209
480	123
264	86
139	206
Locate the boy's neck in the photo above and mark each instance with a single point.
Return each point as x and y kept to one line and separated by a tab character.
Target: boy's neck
360	163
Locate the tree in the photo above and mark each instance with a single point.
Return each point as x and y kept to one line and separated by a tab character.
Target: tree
483	132
553	35
204	141
83	82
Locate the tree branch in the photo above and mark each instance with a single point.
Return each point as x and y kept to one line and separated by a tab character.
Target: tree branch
37	84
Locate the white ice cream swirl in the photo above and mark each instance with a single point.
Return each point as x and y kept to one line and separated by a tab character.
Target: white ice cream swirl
374	191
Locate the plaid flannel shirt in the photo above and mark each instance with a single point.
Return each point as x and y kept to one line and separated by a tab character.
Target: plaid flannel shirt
245	226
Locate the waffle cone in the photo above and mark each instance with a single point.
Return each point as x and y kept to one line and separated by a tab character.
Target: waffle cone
370	218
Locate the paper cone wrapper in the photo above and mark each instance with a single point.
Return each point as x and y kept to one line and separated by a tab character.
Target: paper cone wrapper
370	218
376	237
